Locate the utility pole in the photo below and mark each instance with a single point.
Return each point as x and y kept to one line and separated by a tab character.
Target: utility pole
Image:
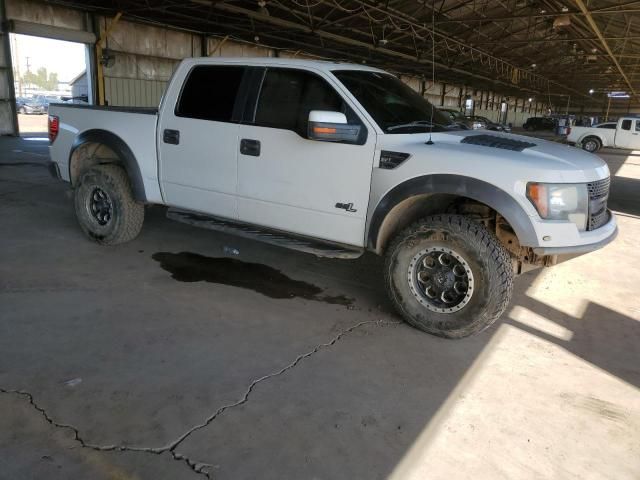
16	64
28	71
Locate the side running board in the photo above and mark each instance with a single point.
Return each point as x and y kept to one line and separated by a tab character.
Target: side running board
318	248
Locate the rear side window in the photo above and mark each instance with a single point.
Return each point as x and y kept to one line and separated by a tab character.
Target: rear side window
626	125
287	96
210	92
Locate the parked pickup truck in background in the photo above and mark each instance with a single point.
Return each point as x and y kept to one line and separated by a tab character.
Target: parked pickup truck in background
624	134
337	159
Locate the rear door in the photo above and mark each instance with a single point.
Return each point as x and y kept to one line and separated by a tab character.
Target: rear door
198	140
628	133
289	182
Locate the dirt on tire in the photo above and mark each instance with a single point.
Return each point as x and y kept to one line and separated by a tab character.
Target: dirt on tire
486	256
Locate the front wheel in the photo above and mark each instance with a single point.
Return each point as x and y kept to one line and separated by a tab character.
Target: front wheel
105	207
448	276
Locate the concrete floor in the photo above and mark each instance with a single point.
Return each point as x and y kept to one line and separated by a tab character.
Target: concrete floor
112	369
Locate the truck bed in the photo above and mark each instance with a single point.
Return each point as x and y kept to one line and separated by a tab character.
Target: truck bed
133	126
607	136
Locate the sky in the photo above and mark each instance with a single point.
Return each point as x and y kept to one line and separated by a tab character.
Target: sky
65	58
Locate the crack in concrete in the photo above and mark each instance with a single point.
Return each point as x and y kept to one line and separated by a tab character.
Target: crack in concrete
198	467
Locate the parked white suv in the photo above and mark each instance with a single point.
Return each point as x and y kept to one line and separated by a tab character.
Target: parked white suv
336	159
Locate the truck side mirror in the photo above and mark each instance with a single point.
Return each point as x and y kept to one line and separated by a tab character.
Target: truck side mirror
331	127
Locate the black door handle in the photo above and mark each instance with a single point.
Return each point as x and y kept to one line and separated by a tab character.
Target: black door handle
171	136
250	147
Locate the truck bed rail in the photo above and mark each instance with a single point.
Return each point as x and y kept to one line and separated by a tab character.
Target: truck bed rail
140	110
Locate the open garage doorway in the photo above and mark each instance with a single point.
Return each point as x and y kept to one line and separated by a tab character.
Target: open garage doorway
46	71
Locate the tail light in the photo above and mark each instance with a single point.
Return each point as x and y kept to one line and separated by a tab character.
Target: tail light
54	126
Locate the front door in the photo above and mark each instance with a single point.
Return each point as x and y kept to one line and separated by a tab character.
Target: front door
198	141
289	182
628	134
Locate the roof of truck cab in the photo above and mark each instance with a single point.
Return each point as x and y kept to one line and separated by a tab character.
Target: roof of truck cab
282	62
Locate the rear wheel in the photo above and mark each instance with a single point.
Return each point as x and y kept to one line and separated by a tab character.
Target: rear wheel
449	276
105	207
591	144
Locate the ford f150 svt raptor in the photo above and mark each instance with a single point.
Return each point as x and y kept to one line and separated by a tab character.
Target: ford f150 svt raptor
336	159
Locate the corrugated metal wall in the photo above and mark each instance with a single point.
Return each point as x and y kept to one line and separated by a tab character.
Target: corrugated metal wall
145	56
133	92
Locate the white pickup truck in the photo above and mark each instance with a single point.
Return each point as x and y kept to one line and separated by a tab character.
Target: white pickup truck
625	133
337	159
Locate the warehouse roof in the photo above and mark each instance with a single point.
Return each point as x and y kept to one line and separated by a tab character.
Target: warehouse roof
524	46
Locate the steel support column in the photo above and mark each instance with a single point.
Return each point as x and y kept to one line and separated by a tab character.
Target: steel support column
8	114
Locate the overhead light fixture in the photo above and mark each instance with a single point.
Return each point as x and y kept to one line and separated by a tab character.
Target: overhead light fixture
263	8
565	9
533	65
530	99
562	21
591	90
383	41
618	95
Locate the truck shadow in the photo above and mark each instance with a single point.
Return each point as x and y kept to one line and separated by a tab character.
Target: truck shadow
601	336
624	166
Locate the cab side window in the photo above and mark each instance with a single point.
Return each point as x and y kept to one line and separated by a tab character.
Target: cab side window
626	125
637	125
210	92
287	96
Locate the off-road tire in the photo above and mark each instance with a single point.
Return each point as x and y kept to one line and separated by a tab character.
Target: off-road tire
591	144
127	214
488	260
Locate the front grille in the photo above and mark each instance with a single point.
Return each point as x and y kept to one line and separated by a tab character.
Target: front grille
598	219
599	189
598	195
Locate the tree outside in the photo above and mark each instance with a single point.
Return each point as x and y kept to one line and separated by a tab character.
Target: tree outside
42	79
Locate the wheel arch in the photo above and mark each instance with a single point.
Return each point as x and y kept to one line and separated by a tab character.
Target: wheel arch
600	139
96	146
430	194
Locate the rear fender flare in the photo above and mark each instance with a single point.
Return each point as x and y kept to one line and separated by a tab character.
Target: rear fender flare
121	149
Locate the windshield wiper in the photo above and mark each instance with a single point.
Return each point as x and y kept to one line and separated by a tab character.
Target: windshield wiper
417	123
420	123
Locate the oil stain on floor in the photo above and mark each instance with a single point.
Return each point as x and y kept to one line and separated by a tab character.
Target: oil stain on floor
192	267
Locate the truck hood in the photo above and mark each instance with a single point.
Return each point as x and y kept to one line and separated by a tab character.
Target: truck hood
528	158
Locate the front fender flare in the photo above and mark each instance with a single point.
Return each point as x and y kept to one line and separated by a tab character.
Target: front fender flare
461	186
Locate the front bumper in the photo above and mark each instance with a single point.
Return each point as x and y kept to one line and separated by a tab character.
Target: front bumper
595	240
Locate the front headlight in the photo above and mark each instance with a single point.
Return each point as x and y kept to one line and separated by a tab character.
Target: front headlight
561	201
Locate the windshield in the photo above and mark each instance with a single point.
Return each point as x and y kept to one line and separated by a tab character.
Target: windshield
394	106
